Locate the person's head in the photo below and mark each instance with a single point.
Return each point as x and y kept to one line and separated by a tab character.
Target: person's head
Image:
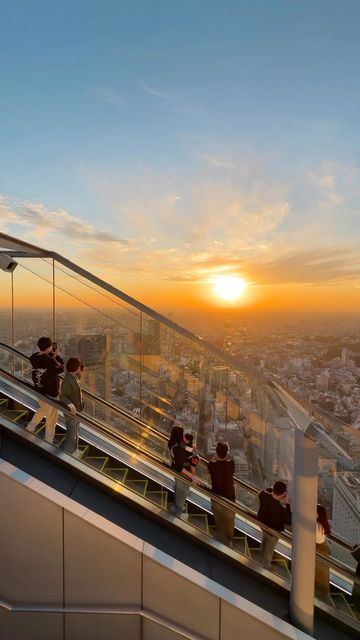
322	518
45	344
279	489
188	439
176	436
222	450
73	365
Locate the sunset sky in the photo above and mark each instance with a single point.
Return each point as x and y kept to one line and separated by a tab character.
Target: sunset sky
164	145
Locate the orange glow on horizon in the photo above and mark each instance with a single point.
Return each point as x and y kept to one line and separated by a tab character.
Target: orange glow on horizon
30	292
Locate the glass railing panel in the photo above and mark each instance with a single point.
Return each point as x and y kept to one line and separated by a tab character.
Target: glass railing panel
33	303
15	364
105	332
157	373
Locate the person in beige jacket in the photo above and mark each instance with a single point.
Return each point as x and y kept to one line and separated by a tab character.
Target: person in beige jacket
71	397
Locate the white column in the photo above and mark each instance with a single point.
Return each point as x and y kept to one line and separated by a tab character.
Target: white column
304	528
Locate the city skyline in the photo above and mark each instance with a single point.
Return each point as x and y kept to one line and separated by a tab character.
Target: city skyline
167	148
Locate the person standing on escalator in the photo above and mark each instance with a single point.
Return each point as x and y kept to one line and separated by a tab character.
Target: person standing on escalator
184	461
222	469
275	513
71	397
46	364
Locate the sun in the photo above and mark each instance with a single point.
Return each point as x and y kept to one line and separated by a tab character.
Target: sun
229	288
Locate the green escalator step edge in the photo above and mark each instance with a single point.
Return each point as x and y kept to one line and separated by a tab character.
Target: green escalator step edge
15	414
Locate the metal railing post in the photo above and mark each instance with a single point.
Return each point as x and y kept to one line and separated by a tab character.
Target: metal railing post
304	533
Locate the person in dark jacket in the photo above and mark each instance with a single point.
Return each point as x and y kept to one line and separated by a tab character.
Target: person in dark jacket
274	512
176	438
45	375
184	461
221	469
71	397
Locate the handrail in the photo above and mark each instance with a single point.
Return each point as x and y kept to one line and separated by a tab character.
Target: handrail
133	418
117	437
201	487
162	436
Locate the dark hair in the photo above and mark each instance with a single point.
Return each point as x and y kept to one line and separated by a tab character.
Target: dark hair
323	519
176	436
73	364
279	487
222	449
189	438
44	343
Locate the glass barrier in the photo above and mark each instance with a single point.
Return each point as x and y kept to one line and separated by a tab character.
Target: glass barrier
160	373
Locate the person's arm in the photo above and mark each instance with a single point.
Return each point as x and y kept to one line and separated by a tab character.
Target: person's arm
59	364
288	514
190	474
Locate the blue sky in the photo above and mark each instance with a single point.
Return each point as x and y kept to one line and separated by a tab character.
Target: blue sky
201	136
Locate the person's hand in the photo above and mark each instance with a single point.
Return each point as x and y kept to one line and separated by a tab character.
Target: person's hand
195	481
73	410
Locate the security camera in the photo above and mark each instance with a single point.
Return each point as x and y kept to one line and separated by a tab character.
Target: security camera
7	263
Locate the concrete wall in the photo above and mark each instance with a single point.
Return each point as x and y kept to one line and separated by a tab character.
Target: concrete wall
60	556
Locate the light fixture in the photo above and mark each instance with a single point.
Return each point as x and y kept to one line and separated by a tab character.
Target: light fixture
7	263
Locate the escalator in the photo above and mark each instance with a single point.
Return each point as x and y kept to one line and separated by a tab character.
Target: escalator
136	475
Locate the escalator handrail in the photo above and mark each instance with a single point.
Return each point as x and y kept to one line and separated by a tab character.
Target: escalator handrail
118	437
202	487
158	434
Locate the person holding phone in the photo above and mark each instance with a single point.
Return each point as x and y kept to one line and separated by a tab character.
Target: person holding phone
46	364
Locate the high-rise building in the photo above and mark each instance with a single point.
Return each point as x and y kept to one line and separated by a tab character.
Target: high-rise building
346	508
322	381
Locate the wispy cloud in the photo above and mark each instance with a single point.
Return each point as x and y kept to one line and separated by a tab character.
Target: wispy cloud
154	92
41	220
109	96
219	162
181	105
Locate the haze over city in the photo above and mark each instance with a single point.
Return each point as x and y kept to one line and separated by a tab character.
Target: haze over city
194	155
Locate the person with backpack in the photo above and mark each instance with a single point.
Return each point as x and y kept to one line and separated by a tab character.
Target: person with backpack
46	367
184	461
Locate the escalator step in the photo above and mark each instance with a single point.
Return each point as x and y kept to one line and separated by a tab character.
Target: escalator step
199	521
97	462
139	486
118	474
341	603
16	415
240	544
159	497
281	568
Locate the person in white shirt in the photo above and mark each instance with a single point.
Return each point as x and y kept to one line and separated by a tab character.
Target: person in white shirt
321	569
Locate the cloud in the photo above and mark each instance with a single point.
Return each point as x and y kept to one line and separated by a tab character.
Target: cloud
43	221
190	226
218	162
154	92
108	95
188	107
